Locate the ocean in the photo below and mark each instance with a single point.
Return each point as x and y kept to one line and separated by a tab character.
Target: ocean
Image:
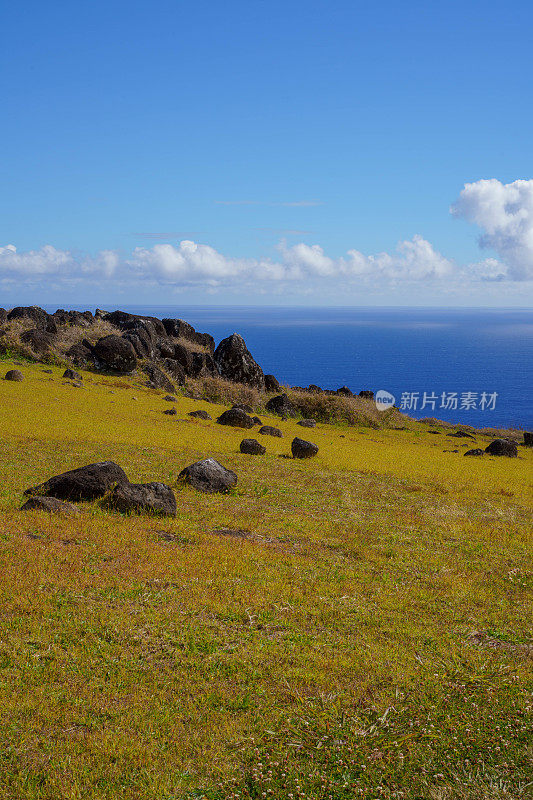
472	366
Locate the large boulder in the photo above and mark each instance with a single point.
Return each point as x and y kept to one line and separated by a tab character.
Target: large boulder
528	439
51	505
174	370
35	313
14	375
115	354
366	394
157	378
344	391
180	329
208	476
501	447
236	418
82	319
272	384
84	483
269	430
126	321
184	357
203	365
252	447
39	340
235	362
281	405
302	449
147	498
80	354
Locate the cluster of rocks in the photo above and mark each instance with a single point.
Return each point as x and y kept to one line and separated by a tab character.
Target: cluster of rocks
500	447
107	481
167	350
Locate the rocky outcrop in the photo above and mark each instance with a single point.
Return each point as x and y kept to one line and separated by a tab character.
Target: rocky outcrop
366	394
71	375
147	498
272	384
236	418
115	354
502	447
528	439
208	476
180	329
84	483
302	449
157	378
235	362
35	313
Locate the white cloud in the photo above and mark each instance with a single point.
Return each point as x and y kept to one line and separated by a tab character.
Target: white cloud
193	264
505	214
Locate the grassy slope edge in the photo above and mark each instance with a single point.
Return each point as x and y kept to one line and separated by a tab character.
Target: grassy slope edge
369	636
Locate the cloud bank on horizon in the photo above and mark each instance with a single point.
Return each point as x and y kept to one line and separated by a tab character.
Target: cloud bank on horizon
503	212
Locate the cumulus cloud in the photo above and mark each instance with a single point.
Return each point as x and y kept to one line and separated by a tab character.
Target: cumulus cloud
505	214
193	264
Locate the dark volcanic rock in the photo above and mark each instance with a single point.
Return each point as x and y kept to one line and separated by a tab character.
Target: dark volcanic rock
307	423
367	394
199	414
528	439
38	315
272	384
203	364
235	362
170	398
14	375
302	449
209	476
50	504
244	407
257	421
460	435
477	451
174	370
314	389
184	357
170	411
501	447
130	322
115	354
281	405
3	316
147	498
236	417
182	330
80	354
39	340
71	375
84	483
157	378
344	391
269	430
252	447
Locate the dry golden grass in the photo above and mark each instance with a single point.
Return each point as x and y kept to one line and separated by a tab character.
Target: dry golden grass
153	658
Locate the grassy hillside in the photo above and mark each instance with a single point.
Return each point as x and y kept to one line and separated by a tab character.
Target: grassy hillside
364	630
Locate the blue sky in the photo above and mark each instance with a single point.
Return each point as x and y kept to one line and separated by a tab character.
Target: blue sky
257	130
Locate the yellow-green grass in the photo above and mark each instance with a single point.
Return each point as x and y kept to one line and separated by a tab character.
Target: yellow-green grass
153	658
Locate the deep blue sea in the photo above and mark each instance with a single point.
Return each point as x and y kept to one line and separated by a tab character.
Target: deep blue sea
408	352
